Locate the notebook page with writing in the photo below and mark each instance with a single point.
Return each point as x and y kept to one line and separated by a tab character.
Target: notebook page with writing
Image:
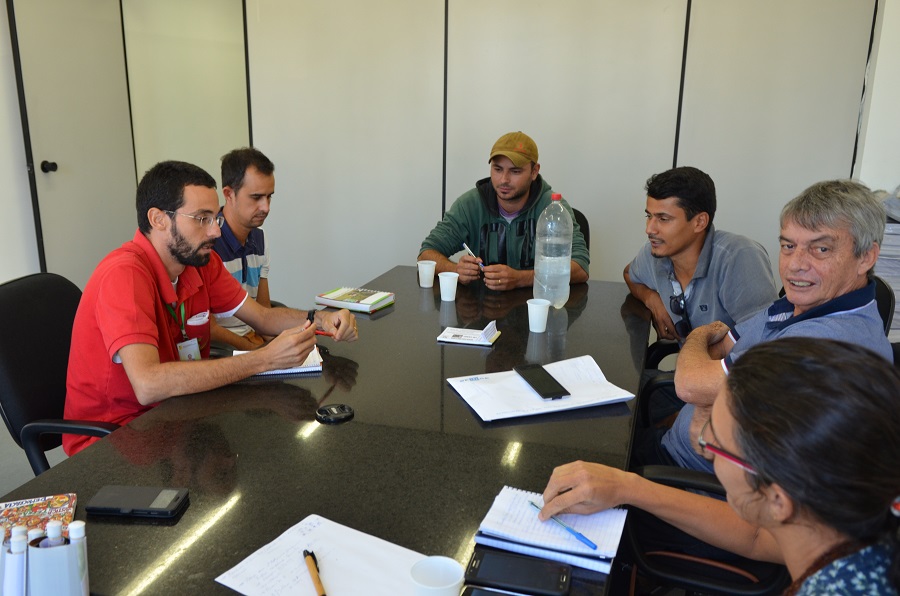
513	518
350	562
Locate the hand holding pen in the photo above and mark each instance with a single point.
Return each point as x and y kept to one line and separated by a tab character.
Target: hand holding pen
469	267
581	537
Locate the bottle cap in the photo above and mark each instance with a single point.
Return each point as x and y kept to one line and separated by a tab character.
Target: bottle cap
18	544
76	530
19	531
35	533
54	528
556	197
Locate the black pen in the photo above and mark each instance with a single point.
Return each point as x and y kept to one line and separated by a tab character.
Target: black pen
313	565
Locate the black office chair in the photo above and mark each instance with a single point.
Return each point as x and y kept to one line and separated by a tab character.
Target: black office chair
670	570
36	316
585	227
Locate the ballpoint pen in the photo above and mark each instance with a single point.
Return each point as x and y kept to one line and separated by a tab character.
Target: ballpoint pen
472	254
313	565
568	528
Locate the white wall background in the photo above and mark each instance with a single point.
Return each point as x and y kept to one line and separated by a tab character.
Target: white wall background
186	73
771	102
879	164
347	99
357	90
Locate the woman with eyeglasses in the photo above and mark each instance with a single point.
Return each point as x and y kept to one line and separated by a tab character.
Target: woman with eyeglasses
805	439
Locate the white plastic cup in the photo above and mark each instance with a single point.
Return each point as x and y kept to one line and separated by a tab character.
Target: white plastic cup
426	273
437	576
537	314
448	281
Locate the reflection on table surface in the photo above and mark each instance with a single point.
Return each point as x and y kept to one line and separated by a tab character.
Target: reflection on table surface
415	466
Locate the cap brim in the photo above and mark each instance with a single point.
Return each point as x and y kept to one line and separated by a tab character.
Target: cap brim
519	160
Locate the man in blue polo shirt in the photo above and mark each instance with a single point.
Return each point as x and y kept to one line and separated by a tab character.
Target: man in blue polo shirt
248	183
830	238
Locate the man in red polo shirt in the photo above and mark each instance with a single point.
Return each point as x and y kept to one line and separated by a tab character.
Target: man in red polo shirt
141	333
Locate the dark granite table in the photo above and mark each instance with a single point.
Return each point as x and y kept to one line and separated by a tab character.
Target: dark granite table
415	466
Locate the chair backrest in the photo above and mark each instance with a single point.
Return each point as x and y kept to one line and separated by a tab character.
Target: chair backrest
584	225
884	298
36	316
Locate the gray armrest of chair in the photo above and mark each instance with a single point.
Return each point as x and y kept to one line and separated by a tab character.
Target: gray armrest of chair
32	432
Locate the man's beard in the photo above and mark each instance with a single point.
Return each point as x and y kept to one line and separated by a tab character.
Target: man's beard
182	251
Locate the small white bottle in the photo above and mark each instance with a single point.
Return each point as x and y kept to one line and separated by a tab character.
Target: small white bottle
15	531
35	533
78	540
14	571
54	535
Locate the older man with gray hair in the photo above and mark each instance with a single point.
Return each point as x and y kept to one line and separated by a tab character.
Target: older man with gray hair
830	238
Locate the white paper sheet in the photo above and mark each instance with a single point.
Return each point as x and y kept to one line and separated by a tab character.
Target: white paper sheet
495	396
350	563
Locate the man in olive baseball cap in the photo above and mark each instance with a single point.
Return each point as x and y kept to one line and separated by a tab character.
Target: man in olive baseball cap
497	221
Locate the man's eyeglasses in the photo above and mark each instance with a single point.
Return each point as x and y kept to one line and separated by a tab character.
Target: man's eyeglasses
206	220
719	452
678	307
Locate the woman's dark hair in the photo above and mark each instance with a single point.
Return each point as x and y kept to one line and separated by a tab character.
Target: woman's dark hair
821	418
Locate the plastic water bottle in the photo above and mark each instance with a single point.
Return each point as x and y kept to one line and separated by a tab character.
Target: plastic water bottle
553	254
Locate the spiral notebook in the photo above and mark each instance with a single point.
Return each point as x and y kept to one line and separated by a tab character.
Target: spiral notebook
311	366
512	524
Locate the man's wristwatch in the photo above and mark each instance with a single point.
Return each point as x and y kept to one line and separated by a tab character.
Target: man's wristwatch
311	316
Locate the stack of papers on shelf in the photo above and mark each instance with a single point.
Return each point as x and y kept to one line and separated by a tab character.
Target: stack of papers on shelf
495	396
312	364
472	337
512	524
350	562
358	299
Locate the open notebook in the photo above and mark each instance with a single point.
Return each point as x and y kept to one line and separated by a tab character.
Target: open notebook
512	524
312	364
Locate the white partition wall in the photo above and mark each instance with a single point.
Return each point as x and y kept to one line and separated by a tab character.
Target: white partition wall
594	83
771	102
879	157
187	76
347	101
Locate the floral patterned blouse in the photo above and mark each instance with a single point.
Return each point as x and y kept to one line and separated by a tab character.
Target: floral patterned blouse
864	572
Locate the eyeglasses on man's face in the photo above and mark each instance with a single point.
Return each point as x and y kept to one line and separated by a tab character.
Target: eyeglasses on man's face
719	452
206	221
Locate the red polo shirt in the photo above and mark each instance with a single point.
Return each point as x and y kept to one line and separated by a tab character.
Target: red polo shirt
124	303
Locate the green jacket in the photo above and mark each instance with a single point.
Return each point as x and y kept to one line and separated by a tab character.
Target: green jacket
475	219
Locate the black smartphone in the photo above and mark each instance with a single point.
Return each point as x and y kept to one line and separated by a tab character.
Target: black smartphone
518	573
138	501
541	381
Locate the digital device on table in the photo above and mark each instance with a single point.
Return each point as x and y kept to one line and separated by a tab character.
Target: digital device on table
518	573
138	501
541	381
